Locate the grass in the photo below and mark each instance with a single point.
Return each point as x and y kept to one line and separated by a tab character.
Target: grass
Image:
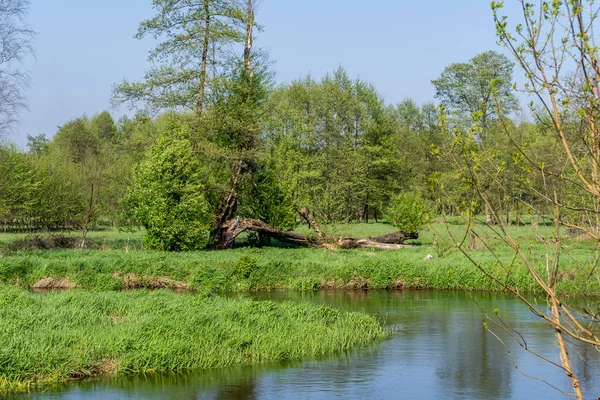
272	268
61	336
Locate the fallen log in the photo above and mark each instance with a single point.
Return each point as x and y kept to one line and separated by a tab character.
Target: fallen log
234	227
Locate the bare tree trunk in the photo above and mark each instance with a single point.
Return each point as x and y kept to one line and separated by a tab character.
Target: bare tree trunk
564	355
204	57
87	218
249	39
233	228
227	207
488	215
310	220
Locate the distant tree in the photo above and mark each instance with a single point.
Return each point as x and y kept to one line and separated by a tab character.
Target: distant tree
37	144
17	185
480	88
105	126
408	212
16	43
81	145
331	143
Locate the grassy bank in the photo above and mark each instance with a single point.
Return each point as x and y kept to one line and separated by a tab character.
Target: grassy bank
296	268
62	336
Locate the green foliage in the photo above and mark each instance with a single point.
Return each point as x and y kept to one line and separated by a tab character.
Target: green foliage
107	333
480	89
328	143
244	267
167	196
18	185
192	36
408	212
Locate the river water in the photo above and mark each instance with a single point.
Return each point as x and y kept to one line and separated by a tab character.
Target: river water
438	349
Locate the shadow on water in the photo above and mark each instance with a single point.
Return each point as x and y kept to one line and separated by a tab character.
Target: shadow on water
438	349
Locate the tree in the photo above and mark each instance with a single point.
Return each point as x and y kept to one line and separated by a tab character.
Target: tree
168	195
17	186
481	91
331	142
408	212
480	88
80	143
37	144
104	127
16	43
195	34
552	37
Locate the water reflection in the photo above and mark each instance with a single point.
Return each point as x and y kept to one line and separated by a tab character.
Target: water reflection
438	349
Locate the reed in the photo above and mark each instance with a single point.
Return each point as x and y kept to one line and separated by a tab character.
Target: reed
61	336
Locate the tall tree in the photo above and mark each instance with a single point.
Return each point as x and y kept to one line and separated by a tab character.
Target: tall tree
195	33
16	43
554	45
481	91
480	88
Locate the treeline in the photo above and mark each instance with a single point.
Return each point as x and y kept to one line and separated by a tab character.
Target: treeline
76	179
235	146
333	146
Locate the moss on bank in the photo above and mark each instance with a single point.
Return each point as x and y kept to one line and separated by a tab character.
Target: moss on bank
63	336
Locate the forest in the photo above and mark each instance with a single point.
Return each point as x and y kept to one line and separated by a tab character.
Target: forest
493	186
331	146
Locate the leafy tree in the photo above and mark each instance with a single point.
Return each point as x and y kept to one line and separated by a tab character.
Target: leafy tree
480	88
167	196
195	34
104	126
408	212
17	186
37	144
329	141
79	141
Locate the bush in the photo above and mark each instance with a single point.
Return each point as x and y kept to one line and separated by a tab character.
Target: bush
168	195
47	242
408	212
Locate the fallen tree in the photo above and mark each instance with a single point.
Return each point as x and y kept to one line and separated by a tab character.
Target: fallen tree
231	229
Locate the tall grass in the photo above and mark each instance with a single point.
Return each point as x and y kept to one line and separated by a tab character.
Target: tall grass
304	269
57	337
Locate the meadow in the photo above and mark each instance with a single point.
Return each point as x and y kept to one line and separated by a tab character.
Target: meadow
101	326
61	336
119	261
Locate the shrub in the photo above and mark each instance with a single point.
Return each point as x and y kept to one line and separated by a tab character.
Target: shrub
408	212
168	195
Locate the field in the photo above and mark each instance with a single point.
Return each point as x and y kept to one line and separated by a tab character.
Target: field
119	262
99	327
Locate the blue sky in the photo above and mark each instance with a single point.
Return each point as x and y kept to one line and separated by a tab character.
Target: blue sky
85	46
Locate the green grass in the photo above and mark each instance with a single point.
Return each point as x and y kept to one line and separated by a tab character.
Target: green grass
272	268
60	336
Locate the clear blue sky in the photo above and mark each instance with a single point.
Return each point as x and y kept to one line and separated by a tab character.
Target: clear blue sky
85	46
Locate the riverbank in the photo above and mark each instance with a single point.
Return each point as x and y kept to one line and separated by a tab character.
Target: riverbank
433	264
63	336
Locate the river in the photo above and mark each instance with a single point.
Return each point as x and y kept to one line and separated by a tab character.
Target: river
438	349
